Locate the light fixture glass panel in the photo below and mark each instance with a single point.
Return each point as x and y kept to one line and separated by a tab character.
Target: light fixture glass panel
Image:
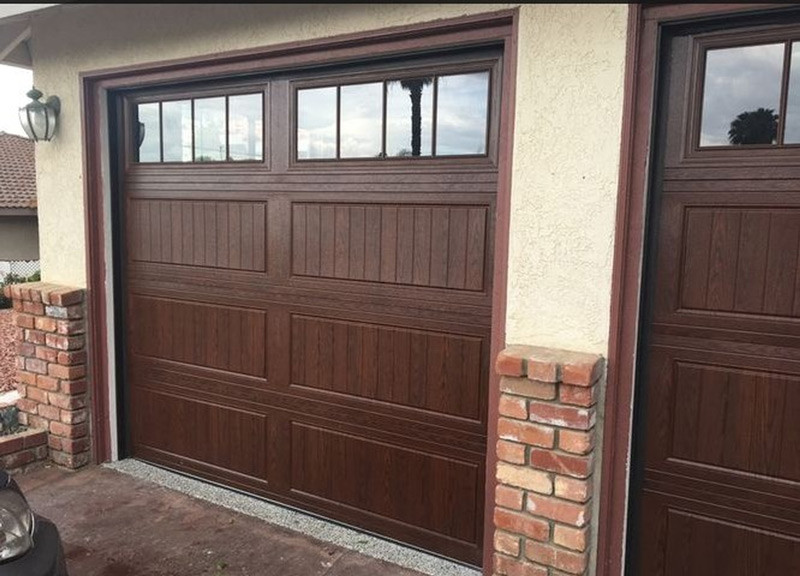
246	127
209	129
361	117
177	118
409	117
462	114
150	145
316	123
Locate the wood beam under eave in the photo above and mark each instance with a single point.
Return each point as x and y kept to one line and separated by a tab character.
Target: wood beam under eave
20	56
13	46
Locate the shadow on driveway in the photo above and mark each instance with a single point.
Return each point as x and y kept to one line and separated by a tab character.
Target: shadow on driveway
116	525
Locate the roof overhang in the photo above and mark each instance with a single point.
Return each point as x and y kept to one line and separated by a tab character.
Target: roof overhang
15	31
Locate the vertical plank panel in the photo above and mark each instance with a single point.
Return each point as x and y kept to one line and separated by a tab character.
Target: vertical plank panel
357	243
198	232
144	226
422	246
340	357
372	248
260	237
457	249
751	272
211	233
187	210
177	233
341	256
155	230
388	244
370	361
724	257
313	251
165	211
235	235
476	249
697	250
247	235
405	245
327	240
299	238
781	261
325	355
440	234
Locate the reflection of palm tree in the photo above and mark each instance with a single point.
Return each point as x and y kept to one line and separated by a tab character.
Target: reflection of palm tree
754	127
415	86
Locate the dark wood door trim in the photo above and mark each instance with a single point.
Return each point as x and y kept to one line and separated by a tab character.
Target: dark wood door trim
644	31
497	28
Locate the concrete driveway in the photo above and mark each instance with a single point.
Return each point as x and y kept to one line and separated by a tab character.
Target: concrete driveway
115	525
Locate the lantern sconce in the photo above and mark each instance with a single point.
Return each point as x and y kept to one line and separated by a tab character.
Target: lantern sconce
39	119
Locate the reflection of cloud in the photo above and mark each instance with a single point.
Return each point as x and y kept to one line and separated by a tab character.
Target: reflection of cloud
792	130
362	111
462	113
316	123
738	80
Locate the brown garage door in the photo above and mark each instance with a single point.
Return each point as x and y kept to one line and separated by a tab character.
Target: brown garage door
718	420
308	289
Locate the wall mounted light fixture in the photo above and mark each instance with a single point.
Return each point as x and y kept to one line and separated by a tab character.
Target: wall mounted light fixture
39	119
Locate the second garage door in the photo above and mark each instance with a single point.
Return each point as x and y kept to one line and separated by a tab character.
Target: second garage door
307	272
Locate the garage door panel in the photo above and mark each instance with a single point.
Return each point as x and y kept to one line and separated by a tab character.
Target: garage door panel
219	435
225	338
377	477
421	245
214	234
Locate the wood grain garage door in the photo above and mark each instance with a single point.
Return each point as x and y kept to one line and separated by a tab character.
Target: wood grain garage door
718	419
307	283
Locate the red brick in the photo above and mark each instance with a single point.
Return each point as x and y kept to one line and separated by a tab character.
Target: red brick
45	324
55	442
19	363
577	442
69	430
513	407
34	336
511	452
72	461
572	538
509	363
36	421
46	354
528	388
508	497
543	369
34	438
568	464
24	320
26	377
578	395
565	560
22	417
573	489
17	459
581	369
505	566
37	395
75	446
61	342
66	297
521	523
559	510
73	416
36	365
526	433
10	444
67	401
26	349
17	305
22	389
74	386
27	405
47	383
564	416
49	412
524	477
36	296
70	327
67	372
72	358
506	543
35	308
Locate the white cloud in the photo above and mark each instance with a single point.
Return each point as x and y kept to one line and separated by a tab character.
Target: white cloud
14	83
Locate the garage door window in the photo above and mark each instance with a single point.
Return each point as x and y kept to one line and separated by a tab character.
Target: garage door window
426	116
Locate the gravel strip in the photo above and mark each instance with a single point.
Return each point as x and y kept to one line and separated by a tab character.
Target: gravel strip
8	352
297	521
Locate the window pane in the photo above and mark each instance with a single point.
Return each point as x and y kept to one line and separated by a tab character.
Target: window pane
462	114
361	119
792	131
741	95
316	123
209	129
409	117
149	127
177	117
245	127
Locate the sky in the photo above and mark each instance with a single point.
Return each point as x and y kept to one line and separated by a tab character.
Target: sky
14	83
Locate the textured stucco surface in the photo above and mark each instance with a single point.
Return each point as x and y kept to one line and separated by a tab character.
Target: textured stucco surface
566	150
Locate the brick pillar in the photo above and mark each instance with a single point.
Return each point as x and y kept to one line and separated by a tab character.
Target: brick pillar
51	367
545	452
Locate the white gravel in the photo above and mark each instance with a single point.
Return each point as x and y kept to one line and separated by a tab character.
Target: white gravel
294	520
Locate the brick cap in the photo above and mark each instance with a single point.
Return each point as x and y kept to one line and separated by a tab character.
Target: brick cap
550	365
24	439
44	292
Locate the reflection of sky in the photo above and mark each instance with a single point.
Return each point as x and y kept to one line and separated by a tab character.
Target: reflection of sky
461	114
177	117
398	119
245	127
209	129
738	80
149	150
361	118
316	123
792	132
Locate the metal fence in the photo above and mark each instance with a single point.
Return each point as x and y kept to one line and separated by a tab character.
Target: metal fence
22	268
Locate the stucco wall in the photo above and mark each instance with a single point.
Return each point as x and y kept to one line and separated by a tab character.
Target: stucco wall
19	238
566	151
